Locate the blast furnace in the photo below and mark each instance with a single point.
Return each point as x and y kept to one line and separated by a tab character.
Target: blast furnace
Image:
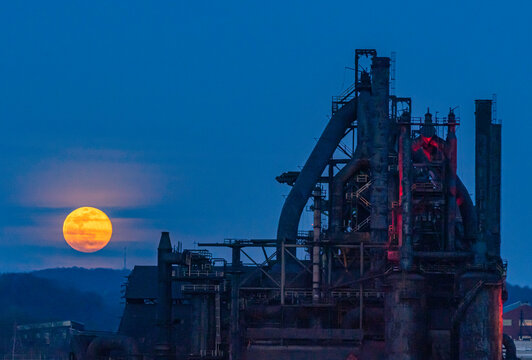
400	263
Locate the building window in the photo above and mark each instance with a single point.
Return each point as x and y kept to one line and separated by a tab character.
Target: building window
526	322
507	322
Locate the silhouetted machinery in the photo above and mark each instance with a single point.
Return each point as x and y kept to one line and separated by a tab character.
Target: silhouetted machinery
400	264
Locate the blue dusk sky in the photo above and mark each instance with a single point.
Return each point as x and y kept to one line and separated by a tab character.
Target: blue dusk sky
177	116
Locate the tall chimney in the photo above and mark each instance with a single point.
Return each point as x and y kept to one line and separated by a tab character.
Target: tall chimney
494	247
487	179
379	151
451	150
164	297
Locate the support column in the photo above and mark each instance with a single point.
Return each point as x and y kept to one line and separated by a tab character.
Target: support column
235	346
316	291
283	271
405	193
361	289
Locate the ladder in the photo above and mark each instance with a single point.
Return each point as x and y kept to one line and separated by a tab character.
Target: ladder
358	194
218	323
361	224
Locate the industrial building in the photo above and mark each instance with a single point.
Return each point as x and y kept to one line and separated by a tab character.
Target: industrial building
49	340
399	264
517	321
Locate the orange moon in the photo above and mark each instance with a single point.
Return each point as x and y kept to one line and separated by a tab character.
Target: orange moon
87	229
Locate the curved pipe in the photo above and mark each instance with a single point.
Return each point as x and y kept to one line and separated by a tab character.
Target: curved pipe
101	346
337	197
316	163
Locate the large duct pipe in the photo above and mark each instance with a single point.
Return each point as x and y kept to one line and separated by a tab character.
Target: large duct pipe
313	169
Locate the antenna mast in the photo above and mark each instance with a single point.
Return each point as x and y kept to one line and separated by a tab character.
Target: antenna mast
125	257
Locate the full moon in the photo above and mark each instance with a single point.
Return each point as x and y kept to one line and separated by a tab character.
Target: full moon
87	229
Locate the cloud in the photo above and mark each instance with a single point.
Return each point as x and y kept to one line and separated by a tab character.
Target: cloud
130	189
45	226
36	241
90	178
41	245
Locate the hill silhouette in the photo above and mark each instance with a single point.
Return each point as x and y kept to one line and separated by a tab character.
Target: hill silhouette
89	296
518	293
107	283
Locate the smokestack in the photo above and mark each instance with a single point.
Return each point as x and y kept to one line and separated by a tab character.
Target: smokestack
379	150
451	153
487	179
494	247
164	297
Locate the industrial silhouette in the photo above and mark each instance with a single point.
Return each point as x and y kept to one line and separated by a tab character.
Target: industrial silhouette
399	264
